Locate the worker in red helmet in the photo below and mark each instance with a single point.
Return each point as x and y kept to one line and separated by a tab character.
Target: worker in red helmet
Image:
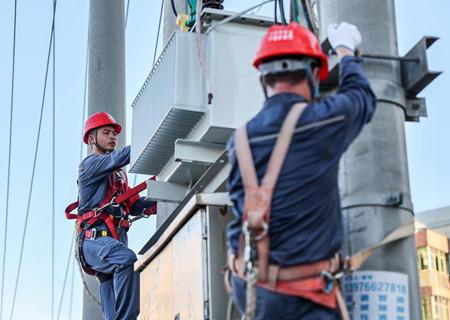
102	241
283	182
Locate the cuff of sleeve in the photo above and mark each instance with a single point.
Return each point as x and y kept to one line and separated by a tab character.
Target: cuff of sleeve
347	59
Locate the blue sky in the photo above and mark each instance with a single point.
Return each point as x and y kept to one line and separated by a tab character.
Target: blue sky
427	141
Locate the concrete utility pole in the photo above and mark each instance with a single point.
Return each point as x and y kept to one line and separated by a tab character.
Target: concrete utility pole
106	90
170	25
374	178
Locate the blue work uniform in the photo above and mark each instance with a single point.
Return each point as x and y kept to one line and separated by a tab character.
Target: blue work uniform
120	294
306	219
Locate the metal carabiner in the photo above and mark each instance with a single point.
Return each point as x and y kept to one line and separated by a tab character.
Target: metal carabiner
248	242
264	232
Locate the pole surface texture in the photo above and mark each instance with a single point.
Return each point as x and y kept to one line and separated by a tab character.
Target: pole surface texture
106	89
375	166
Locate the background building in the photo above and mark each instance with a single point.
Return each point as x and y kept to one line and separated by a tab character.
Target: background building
432	243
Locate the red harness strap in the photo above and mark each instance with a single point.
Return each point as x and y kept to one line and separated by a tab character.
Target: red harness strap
117	194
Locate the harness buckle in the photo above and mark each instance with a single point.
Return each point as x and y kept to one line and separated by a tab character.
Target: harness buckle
259	236
93	233
113	203
97	212
330	279
264	231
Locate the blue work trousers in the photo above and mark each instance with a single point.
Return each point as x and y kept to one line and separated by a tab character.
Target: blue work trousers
274	306
119	295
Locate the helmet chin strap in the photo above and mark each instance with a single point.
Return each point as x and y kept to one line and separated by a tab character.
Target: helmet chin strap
264	87
291	65
314	88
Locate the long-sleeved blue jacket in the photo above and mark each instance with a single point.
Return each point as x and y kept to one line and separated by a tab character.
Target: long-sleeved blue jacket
306	219
93	176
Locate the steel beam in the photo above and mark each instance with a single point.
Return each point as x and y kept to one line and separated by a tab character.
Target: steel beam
166	191
197	152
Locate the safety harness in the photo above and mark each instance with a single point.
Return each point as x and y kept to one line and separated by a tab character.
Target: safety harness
118	196
315	281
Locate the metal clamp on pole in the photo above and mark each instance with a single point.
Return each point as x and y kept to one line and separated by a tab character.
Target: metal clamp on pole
414	73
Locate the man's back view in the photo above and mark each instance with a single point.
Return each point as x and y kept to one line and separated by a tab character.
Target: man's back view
305	222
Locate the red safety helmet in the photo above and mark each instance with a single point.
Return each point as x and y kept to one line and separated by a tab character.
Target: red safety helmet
281	41
98	120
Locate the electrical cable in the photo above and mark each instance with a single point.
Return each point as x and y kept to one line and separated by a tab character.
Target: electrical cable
126	13
34	165
310	16
201	56
291	11
159	30
69	258
238	15
5	237
53	169
306	13
71	289
282	14
275	12
174	9
312	9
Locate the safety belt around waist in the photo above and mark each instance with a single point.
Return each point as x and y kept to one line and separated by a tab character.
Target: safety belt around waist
97	214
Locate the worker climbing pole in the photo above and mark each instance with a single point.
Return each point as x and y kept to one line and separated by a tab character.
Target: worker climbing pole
105	203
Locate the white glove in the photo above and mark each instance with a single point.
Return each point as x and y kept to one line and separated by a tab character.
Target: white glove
344	35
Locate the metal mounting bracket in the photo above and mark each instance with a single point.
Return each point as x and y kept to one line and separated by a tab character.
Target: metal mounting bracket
166	191
414	71
197	152
416	76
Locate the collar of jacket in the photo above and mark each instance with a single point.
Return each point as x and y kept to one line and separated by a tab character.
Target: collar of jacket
283	99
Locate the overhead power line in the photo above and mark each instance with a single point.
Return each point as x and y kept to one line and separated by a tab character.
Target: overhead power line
157	34
126	13
69	258
53	166
71	288
5	236
34	164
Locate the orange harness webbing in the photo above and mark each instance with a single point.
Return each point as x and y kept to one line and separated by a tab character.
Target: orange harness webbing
256	218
